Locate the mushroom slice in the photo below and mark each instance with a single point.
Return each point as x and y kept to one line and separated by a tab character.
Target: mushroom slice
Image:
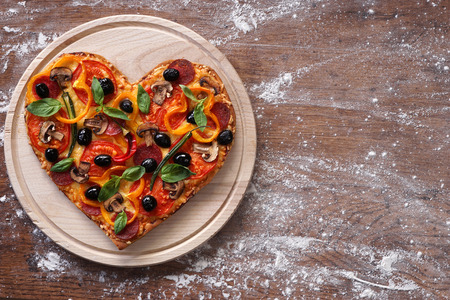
162	90
210	83
80	174
114	204
209	151
147	131
175	189
62	75
98	123
48	131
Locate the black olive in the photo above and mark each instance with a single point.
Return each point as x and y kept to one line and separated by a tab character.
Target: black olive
182	158
84	137
171	74
149	203
126	105
149	164
162	140
107	86
225	137
190	118
92	192
42	90
51	154
103	160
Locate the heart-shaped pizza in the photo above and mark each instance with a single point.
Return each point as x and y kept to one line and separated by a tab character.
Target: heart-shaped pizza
128	155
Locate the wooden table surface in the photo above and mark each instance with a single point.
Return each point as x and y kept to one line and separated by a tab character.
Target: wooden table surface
350	192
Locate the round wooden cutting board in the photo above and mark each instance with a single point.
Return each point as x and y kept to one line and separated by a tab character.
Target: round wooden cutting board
134	44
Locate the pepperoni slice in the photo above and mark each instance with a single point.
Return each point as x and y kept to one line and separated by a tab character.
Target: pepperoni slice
53	87
143	152
186	69
114	128
130	230
222	113
90	210
61	178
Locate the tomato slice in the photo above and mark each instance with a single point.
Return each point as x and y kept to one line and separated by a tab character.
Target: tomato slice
177	119
97	69
157	112
161	196
34	124
198	165
100	147
53	87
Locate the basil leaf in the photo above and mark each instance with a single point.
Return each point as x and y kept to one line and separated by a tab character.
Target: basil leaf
120	222
115	113
187	91
175	172
62	165
109	188
116	177
143	100
199	115
45	107
97	91
133	173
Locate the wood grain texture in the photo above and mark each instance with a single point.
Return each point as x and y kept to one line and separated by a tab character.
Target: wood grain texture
349	198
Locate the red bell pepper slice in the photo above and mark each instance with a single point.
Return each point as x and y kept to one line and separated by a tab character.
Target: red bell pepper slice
131	148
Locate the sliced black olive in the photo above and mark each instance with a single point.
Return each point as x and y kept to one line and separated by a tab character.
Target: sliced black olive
225	137
51	154
107	86
163	140
182	158
126	105
149	164
42	90
171	74
103	160
92	192
84	137
190	118
149	203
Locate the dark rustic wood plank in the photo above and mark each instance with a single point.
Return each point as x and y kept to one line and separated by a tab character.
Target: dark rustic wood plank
349	197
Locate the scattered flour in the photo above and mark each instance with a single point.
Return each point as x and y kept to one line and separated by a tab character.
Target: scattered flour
246	17
274	90
387	262
368	293
9	29
52	262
